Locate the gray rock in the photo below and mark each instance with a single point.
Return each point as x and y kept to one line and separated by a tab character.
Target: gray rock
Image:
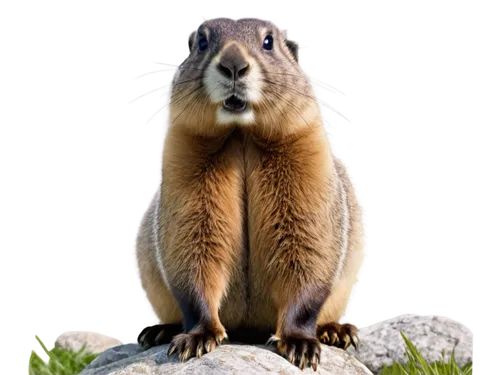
226	359
94	342
115	354
382	344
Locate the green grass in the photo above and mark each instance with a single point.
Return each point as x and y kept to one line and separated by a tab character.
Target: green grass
66	362
416	364
61	361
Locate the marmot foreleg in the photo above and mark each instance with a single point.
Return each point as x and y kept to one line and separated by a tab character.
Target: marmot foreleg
200	235
292	238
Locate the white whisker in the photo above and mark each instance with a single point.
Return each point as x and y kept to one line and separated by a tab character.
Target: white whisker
330	91
164	63
152	91
154	114
337	112
325	85
153	72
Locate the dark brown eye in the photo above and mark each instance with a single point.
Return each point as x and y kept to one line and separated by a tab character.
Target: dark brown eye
202	42
268	43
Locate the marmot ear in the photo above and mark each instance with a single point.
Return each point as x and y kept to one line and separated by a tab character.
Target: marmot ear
191	41
293	47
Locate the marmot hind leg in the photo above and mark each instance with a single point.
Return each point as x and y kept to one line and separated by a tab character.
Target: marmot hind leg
161	298
329	331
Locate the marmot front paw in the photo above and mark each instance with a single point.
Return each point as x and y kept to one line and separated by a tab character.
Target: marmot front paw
196	342
298	348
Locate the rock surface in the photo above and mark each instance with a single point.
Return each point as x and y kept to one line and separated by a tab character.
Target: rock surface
226	359
382	344
94	342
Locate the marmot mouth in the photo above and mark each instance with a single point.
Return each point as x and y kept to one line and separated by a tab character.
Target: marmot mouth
234	104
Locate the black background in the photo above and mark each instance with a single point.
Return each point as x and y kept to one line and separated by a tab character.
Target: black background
96	167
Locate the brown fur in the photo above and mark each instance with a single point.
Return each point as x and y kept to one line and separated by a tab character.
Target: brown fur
249	226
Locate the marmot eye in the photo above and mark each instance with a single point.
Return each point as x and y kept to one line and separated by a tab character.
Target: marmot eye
268	43
202	42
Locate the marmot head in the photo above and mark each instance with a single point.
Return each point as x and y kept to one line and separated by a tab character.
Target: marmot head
242	73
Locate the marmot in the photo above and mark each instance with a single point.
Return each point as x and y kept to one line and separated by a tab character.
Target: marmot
255	224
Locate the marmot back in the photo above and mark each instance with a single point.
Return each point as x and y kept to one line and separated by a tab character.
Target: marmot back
255	227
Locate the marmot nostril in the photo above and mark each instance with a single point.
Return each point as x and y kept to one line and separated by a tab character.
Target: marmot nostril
243	71
233	70
226	72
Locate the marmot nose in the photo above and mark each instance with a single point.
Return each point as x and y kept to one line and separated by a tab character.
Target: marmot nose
233	69
232	64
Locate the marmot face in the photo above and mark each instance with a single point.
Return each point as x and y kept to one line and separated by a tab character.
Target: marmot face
242	73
